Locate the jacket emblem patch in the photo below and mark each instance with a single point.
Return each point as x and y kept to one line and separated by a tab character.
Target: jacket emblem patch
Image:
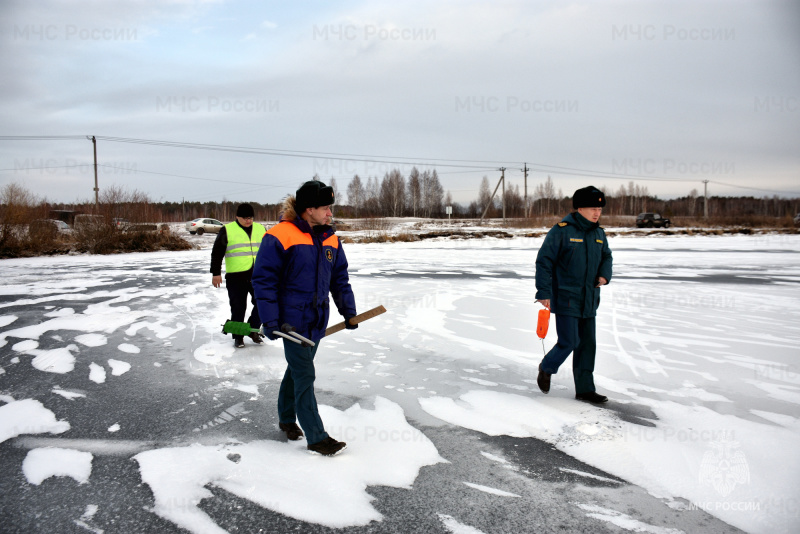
599	241
576	240
562	224
329	255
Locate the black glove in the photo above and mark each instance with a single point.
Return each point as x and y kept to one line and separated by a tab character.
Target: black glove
267	332
348	325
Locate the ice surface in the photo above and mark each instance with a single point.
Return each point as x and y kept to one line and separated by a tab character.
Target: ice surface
697	347
285	477
40	464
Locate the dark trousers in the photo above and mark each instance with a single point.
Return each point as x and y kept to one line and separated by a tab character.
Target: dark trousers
238	290
575	336
296	397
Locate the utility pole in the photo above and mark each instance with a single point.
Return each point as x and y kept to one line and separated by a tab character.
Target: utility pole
491	200
525	170
705	199
96	189
503	179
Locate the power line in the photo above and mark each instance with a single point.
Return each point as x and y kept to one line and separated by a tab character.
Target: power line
395	160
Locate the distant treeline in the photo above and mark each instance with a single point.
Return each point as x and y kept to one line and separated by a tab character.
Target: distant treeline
420	195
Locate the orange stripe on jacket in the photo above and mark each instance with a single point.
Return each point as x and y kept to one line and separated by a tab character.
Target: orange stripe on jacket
290	235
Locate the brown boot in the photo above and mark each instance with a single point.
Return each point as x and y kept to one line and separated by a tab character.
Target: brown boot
543	380
327	447
293	431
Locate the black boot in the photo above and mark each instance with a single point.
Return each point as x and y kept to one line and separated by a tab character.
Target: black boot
238	342
543	380
293	432
592	397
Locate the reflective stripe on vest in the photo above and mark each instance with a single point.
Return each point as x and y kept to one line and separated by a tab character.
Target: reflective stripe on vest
240	255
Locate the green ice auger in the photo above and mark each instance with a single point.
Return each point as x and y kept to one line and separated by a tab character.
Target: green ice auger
238	329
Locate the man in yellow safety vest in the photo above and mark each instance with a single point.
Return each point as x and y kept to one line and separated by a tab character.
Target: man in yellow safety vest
238	244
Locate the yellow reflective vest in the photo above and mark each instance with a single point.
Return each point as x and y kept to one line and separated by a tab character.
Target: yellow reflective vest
240	254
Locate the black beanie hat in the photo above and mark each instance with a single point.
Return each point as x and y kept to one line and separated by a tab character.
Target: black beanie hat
588	197
313	194
245	210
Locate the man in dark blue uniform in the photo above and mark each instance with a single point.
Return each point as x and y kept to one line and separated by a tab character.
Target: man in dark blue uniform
572	265
300	262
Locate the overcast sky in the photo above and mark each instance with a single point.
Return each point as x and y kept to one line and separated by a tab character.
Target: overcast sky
667	94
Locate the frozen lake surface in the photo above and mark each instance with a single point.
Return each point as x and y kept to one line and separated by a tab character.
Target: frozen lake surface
123	408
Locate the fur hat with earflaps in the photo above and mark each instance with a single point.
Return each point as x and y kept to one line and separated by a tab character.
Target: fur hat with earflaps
313	194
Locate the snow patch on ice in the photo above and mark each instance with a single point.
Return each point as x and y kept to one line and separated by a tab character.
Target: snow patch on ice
59	360
213	353
25	346
490	490
61	312
67	394
28	416
624	521
97	373
130	349
336	486
455	527
41	464
6	320
119	367
92	340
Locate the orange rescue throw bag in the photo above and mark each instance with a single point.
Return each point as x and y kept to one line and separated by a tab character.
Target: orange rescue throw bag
543	324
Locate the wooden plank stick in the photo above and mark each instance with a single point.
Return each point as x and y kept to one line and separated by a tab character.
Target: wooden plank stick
369	314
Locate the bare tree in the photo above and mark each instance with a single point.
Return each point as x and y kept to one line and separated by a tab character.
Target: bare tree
414	191
393	193
432	193
356	194
545	193
372	198
484	195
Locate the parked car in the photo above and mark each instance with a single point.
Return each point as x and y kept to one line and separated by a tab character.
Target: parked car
203	225
797	220
51	227
84	220
120	222
652	220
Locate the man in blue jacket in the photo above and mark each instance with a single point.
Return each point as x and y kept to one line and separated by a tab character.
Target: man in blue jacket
299	262
572	265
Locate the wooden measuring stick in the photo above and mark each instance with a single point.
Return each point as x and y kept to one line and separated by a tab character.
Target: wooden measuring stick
357	319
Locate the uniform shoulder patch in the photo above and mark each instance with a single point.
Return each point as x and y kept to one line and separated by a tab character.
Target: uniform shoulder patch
562	224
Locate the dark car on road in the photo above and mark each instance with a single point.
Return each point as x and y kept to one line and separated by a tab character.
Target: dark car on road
652	220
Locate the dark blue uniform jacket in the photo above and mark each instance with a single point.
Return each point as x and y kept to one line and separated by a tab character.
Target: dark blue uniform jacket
573	256
296	267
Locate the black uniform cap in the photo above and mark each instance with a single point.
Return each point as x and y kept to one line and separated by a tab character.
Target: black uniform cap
588	197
